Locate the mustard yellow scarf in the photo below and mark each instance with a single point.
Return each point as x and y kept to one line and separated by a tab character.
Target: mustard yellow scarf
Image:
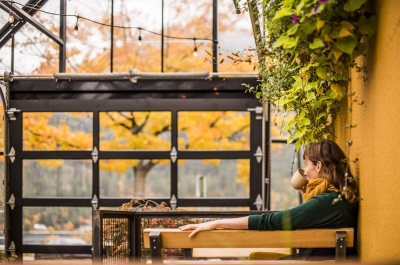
316	187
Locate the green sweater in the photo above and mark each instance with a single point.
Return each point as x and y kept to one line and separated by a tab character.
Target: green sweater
318	212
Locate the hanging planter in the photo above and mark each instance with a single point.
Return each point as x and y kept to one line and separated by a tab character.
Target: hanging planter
308	51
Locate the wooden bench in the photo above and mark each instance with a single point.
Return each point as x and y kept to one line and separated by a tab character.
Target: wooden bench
156	239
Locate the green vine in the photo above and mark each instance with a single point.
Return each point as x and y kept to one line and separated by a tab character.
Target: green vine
308	49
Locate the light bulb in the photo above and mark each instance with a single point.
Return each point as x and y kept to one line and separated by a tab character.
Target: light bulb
76	30
140	40
195	52
119	43
11	17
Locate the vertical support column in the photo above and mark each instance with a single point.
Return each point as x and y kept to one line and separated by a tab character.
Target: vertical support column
96	237
6	187
267	160
112	38
136	244
162	36
15	216
174	143
341	242
215	37
95	164
12	53
187	253
155	247
63	35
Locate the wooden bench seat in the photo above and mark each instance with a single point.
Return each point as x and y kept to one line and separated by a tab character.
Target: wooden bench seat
157	239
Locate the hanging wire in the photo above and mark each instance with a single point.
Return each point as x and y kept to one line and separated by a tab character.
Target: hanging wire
108	25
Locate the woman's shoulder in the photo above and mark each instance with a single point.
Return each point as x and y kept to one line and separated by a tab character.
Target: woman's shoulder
332	198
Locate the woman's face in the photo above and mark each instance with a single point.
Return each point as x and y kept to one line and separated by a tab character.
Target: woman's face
311	171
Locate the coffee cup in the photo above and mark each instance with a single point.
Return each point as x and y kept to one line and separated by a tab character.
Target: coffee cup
298	180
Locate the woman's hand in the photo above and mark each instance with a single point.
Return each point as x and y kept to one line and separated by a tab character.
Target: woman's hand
303	189
199	227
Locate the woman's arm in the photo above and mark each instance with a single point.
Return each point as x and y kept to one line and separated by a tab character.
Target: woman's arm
234	223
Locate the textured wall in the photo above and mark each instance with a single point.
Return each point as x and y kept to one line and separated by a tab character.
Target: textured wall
377	138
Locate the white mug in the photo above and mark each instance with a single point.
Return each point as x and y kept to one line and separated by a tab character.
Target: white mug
298	180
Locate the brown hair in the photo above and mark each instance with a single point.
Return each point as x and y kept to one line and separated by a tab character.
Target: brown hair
335	167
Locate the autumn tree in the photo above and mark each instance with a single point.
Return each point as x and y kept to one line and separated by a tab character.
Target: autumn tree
139	130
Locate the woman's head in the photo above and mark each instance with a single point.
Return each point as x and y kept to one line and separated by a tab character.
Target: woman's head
326	160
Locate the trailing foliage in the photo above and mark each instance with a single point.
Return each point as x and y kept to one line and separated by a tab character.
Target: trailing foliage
308	50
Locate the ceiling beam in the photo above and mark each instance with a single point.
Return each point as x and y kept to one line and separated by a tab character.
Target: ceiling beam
25	16
9	29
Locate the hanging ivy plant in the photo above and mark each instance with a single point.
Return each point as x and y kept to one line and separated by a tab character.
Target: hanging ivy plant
308	51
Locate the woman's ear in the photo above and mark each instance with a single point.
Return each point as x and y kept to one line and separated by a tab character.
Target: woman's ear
319	166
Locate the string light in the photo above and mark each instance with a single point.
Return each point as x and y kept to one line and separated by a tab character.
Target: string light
195	48
140	37
76	26
11	17
195	53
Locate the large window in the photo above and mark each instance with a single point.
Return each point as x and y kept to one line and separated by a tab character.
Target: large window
102	149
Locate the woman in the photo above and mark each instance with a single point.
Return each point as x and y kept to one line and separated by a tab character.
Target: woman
331	201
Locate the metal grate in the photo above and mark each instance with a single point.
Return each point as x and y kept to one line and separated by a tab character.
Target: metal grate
115	240
118	237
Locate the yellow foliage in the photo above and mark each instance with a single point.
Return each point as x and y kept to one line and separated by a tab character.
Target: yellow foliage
69	226
49	238
243	170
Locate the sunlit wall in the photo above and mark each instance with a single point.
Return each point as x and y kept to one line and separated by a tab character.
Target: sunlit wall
375	139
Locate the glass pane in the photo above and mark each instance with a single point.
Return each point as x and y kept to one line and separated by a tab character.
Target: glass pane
88	48
187	19
34	52
213	178
123	178
180	56
278	118
2	198
58	130
2	188
57	225
57	178
235	39
138	130
3	18
283	195
128	54
214	130
5	57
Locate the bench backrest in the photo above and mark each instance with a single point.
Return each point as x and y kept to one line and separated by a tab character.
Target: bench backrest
224	238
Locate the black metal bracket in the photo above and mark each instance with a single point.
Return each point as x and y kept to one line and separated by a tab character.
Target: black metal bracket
187	253
341	242
155	247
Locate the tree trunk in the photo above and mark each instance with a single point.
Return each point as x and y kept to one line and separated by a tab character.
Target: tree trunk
140	173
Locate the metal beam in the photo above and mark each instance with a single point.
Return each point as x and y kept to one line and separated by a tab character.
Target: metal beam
63	36
255	22
8	30
215	36
21	13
